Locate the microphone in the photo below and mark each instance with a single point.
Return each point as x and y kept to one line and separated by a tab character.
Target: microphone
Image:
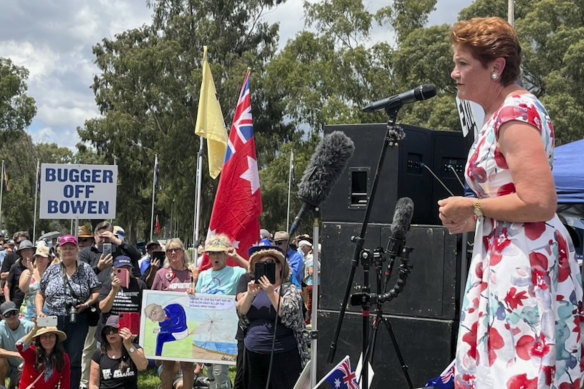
402	217
422	92
323	170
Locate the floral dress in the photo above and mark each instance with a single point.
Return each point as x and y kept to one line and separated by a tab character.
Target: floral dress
520	323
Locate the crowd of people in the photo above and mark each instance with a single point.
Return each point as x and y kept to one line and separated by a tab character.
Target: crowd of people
90	280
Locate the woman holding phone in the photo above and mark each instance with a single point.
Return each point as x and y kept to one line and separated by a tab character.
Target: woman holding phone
46	364
117	362
121	295
259	304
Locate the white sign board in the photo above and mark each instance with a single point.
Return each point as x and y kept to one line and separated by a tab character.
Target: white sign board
78	191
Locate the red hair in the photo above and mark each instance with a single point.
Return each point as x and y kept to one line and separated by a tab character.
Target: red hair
488	39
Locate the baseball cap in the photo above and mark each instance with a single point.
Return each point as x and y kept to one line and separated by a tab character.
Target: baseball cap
64	239
119	232
7	307
122	260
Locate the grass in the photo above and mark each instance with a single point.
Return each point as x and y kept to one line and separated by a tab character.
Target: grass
148	379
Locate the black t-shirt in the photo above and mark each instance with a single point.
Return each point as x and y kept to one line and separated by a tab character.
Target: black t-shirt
16	295
126	300
111	377
91	256
241	288
9	260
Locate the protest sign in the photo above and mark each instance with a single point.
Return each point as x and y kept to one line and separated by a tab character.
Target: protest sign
78	191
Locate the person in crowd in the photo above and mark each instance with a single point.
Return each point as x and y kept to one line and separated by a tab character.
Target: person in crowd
220	279
10	258
175	276
522	311
11	329
68	290
259	303
117	299
312	274
102	266
12	291
30	279
46	364
295	260
117	363
84	237
119	233
265	234
149	265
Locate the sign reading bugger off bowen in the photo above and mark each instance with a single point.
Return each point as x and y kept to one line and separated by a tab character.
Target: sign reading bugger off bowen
78	191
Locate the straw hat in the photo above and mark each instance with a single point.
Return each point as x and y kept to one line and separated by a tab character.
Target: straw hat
47	330
217	243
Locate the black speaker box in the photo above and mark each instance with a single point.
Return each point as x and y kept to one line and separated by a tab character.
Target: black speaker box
432	287
407	171
427	347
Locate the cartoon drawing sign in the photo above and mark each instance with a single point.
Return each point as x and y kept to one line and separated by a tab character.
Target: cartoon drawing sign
194	328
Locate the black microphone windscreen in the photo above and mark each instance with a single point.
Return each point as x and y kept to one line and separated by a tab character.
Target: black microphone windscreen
426	91
402	217
325	167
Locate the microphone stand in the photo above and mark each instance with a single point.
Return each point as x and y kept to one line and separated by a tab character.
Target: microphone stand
315	288
393	136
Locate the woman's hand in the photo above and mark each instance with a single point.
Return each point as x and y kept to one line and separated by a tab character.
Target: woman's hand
127	337
116	283
266	285
253	288
29	265
457	213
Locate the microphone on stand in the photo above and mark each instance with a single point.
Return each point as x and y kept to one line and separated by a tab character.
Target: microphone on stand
402	217
422	92
324	168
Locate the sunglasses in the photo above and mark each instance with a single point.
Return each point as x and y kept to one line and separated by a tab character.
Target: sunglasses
10	313
84	239
173	250
279	242
111	330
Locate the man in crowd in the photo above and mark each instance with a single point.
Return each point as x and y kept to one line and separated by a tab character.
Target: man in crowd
148	265
11	330
84	237
10	258
295	260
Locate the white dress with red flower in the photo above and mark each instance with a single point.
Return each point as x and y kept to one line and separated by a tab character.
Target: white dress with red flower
520	323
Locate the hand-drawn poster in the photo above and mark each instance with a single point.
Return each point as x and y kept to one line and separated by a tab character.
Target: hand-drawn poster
181	327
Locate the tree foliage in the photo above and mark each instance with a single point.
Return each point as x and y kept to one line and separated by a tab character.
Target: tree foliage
16	108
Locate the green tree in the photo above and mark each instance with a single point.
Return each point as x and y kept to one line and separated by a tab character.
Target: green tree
148	93
16	108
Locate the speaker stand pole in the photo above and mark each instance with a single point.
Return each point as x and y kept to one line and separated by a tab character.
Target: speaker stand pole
393	136
315	287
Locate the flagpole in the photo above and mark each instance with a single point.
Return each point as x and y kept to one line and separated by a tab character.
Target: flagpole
36	192
289	189
199	177
153	192
1	190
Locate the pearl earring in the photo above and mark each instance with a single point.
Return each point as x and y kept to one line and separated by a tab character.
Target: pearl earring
494	75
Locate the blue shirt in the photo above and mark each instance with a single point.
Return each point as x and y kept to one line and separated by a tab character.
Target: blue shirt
296	262
222	281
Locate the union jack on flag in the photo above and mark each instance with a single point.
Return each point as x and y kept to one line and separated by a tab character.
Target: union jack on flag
342	377
444	381
238	202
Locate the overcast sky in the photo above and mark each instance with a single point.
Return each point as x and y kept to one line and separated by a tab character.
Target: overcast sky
53	40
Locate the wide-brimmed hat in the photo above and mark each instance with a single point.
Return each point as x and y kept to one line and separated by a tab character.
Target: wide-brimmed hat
84	232
42	251
263	249
216	243
25	244
52	330
281	235
64	239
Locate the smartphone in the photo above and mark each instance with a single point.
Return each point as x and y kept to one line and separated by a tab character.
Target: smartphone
160	255
267	269
130	320
47	321
106	249
124	277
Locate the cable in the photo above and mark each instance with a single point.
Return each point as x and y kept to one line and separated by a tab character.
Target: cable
456	175
436	177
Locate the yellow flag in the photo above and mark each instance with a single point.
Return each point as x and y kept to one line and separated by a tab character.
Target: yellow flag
210	124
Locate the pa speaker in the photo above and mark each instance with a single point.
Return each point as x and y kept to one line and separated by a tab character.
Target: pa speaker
408	170
426	346
431	289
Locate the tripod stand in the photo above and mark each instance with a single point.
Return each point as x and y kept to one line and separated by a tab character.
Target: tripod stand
393	136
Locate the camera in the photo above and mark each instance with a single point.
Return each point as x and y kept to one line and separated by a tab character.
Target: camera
72	312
